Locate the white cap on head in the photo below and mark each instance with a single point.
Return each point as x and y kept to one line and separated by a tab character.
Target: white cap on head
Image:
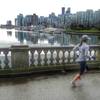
86	37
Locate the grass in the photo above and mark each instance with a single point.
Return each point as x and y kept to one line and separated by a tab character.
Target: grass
83	31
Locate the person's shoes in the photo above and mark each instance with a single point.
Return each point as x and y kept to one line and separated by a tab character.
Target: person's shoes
78	78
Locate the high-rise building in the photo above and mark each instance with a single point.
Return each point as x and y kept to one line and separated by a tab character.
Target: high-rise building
68	10
97	18
41	19
52	19
9	22
28	20
18	20
35	19
63	10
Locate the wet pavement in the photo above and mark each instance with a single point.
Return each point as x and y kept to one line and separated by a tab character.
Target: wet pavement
50	87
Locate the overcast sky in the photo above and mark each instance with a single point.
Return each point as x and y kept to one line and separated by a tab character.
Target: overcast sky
9	9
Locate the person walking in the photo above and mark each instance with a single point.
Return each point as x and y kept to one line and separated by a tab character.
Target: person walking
83	49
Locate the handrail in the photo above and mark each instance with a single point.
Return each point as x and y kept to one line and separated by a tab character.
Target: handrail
24	58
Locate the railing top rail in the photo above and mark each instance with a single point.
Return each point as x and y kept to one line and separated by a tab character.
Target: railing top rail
64	46
3	49
44	47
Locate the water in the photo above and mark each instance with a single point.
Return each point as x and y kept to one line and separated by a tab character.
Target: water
14	37
10	37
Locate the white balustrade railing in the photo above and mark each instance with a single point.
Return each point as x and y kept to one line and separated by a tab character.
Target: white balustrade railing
57	55
39	57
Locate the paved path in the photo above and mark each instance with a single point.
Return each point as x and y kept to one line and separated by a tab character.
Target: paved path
50	87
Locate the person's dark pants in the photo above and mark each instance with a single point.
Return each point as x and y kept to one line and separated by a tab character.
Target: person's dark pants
83	67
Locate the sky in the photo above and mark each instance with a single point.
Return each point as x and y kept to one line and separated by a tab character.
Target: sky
9	9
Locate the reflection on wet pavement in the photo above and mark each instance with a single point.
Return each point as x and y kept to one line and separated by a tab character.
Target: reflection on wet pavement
50	87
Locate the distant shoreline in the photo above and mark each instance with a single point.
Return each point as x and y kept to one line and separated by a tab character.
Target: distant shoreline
89	32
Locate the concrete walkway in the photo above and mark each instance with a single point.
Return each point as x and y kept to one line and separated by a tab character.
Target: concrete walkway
50	87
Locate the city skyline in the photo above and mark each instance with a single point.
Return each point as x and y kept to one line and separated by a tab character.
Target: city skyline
10	9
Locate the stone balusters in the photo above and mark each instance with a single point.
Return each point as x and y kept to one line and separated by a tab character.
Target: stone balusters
95	54
6	61
51	58
69	56
39	56
32	58
45	57
63	50
0	61
57	56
